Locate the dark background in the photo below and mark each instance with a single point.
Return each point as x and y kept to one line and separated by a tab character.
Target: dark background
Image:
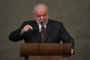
75	14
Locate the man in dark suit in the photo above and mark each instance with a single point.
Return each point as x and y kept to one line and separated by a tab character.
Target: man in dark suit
54	31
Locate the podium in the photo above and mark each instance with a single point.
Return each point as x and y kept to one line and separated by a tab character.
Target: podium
45	51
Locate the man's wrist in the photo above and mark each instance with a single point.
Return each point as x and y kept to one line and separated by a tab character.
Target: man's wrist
22	32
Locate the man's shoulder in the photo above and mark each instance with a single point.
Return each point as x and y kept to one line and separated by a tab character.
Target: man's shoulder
29	21
55	21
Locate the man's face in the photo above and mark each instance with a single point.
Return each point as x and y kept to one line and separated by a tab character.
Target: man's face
41	15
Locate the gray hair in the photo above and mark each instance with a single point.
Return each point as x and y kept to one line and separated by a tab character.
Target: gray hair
40	6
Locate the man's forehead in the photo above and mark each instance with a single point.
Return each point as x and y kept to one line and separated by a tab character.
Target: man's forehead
40	9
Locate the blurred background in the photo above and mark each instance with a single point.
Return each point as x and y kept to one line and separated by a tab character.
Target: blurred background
75	15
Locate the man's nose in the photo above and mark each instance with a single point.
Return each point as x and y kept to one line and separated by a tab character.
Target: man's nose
42	17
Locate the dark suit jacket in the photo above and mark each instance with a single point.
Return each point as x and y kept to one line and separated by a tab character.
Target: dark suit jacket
55	32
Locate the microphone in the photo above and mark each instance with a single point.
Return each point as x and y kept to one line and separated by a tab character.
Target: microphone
41	23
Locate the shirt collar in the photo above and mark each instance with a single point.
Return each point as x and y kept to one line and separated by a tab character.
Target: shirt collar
39	24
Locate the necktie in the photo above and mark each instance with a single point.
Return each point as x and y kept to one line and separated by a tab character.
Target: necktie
42	33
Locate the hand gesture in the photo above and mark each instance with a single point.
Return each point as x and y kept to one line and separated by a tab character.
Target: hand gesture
27	28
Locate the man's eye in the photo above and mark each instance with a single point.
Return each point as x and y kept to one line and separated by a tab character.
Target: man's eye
39	15
44	15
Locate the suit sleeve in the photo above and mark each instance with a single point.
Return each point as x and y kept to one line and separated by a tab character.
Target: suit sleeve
65	36
16	35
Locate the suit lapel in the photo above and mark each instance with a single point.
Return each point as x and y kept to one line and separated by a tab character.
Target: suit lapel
49	31
36	31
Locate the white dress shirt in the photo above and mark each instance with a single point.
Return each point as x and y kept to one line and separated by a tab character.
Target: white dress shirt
39	24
